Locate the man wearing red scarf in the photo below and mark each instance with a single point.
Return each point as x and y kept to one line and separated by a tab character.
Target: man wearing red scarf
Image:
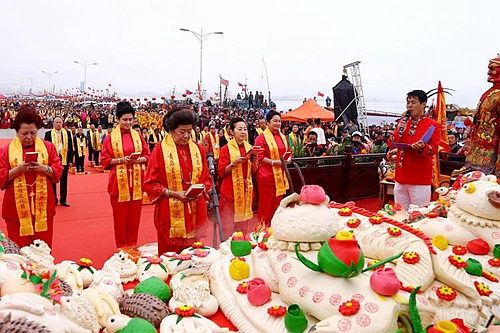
414	162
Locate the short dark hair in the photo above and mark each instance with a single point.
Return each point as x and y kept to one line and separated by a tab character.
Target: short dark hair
271	114
312	133
310	121
234	121
123	108
27	115
418	94
179	116
317	121
136	126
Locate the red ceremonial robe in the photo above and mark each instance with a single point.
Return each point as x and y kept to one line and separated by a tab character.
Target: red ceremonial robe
9	211
155	185
126	215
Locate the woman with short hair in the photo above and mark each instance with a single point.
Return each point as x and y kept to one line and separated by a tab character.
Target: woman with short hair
123	152
177	163
28	206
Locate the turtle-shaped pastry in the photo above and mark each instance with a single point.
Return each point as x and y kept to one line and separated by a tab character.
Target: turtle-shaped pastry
144	306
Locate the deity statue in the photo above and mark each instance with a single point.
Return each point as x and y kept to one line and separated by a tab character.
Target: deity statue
485	134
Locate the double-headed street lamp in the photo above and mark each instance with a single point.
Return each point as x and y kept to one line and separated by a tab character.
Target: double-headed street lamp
84	65
201	37
49	74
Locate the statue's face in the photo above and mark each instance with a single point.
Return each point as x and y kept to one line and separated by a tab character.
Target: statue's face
494	71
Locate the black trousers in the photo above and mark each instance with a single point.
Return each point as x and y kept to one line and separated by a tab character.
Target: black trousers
63	183
79	163
96	157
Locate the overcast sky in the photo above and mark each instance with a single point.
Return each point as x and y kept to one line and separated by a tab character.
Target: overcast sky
402	45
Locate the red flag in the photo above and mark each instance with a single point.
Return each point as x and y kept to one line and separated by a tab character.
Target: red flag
224	82
240	84
188	92
440	112
320	94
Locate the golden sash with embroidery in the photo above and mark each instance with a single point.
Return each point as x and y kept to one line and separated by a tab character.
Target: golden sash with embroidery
64	144
81	145
98	142
280	182
36	202
242	188
215	145
125	180
174	181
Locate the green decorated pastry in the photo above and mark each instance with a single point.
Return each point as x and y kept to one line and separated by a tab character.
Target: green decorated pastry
154	286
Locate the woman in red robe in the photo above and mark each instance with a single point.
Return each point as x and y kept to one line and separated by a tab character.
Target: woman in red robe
235	167
28	208
126	176
177	162
271	176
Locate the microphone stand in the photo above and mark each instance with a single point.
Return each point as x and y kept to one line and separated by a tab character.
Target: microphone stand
215	206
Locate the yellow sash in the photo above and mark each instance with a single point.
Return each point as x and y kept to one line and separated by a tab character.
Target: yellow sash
213	142
81	148
294	138
125	181
226	135
280	182
38	205
174	180
259	131
242	188
98	142
55	141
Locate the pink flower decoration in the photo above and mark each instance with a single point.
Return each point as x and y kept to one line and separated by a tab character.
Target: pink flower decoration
184	256
201	253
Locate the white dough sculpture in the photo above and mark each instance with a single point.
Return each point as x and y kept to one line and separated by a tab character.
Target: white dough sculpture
193	324
85	268
121	263
10	265
104	304
151	265
193	290
109	282
39	253
80	310
70	274
40	310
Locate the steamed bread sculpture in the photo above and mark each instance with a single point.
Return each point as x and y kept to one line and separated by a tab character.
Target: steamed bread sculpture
340	304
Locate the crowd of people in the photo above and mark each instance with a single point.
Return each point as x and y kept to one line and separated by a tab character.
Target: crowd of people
161	149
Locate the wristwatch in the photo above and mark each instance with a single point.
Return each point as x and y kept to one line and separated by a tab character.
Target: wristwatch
232	165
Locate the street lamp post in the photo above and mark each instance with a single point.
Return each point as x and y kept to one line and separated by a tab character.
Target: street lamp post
49	74
201	37
84	65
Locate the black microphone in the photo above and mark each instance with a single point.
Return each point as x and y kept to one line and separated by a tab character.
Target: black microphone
210	160
405	118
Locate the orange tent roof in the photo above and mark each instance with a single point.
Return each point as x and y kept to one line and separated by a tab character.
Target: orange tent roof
310	109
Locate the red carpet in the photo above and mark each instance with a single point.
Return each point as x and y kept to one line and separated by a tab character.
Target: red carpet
86	228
